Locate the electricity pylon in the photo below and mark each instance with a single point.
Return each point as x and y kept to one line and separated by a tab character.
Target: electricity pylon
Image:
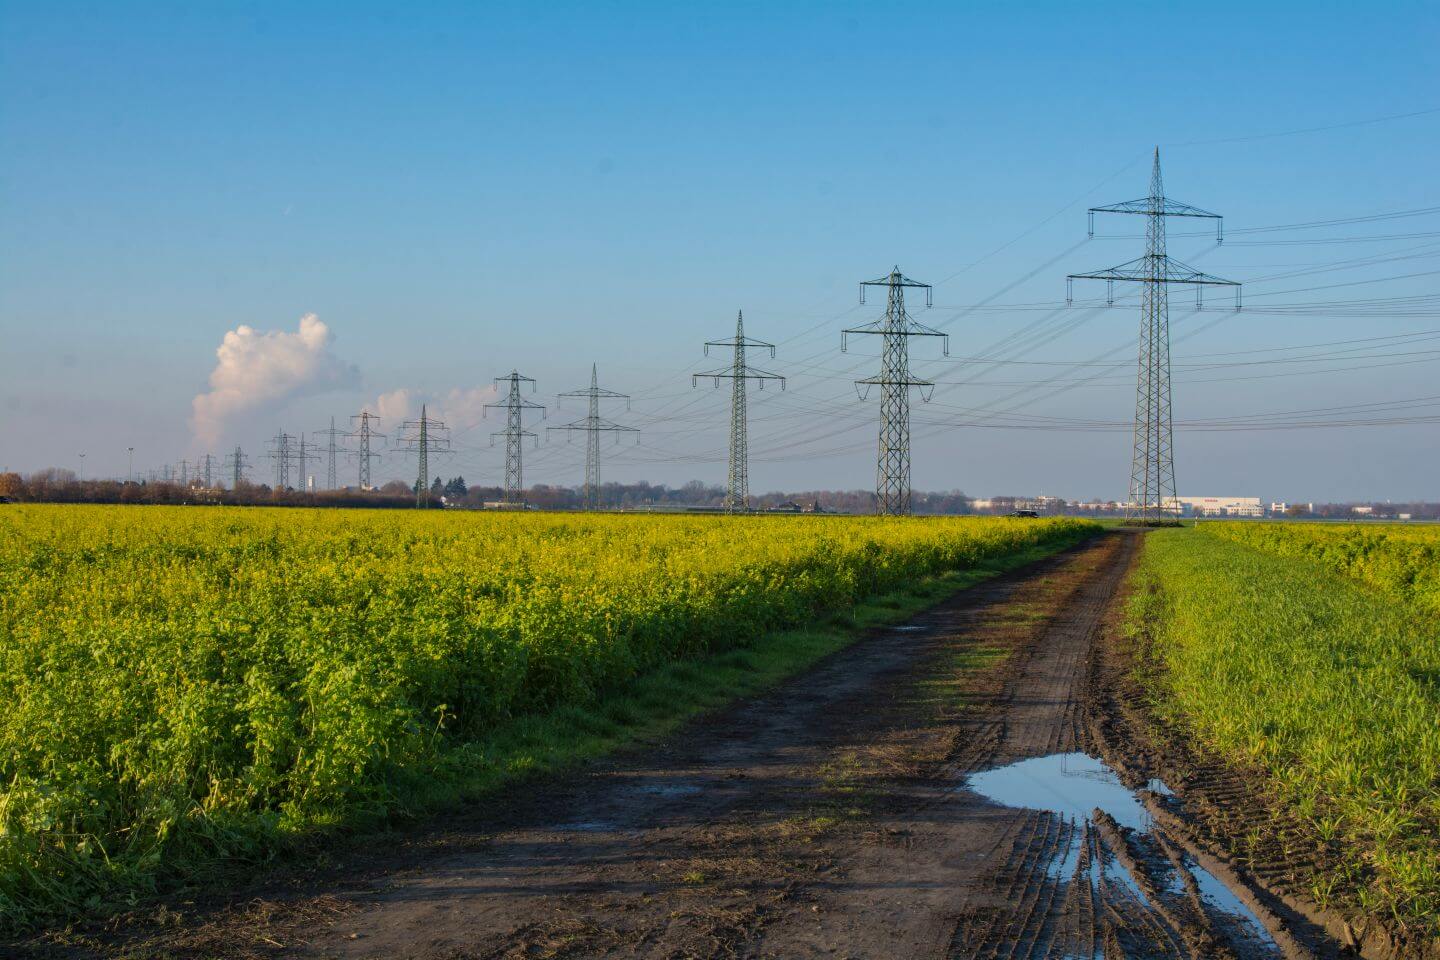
331	449
1152	466
364	454
422	436
237	463
514	433
737	479
892	466
593	424
301	458
281	453
208	461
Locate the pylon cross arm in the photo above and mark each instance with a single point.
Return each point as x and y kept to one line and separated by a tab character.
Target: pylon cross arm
1163	206
1141	270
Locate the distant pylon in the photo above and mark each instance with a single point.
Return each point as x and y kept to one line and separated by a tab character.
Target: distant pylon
237	468
302	458
1152	465
422	436
364	454
331	449
208	460
514	433
892	465
280	452
737	477
593	424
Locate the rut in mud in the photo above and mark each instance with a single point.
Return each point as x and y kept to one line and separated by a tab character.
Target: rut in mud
931	791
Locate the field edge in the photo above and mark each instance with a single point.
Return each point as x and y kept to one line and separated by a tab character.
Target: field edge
529	747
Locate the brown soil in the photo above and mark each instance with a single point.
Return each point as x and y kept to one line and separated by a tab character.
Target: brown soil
828	817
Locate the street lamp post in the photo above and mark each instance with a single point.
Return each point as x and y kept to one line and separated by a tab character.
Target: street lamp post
82	468
130	475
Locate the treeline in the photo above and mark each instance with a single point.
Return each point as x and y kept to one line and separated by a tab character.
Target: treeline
1419	510
61	486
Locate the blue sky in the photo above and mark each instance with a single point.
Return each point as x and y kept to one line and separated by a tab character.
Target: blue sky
457	190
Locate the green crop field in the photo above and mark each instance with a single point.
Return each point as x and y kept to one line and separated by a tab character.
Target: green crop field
183	687
1313	651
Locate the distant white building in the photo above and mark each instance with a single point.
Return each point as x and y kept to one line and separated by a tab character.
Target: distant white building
1278	508
1362	511
1220	506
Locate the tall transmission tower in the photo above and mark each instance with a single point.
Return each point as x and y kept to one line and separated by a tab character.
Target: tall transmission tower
892	466
237	464
184	473
423	436
593	424
208	461
514	433
1152	465
737	478
363	436
331	449
301	459
281	452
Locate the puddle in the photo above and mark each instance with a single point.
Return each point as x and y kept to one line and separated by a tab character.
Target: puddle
587	826
668	789
1074	785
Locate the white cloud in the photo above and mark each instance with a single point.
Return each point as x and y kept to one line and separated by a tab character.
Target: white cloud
257	370
461	408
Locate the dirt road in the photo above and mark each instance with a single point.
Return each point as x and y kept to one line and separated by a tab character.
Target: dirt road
921	794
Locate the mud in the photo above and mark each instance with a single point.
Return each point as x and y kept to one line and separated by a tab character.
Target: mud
875	806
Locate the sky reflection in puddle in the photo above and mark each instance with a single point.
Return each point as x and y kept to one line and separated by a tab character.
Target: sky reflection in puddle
1074	785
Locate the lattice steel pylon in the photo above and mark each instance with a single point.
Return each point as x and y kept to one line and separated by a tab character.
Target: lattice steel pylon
593	424
515	433
364	454
302	457
238	463
1152	466
331	450
892	466
737	478
423	436
281	453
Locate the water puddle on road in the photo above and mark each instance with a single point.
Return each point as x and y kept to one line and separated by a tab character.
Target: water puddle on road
1145	867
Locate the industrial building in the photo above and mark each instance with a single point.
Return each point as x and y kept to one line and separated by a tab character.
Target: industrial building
1218	506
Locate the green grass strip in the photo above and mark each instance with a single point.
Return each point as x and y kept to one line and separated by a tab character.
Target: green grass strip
1331	688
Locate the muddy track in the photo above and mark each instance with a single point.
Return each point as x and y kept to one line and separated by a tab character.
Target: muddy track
841	815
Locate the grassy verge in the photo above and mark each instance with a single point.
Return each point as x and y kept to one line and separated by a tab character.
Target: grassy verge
656	703
1332	688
